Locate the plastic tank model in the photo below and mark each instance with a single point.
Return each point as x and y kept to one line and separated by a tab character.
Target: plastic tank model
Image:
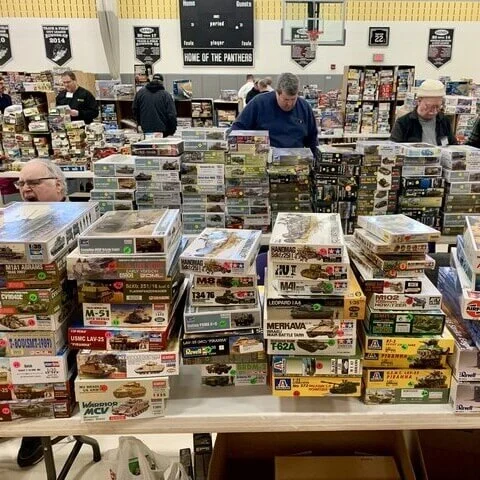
308	311
124	342
217	381
244	320
381	397
138	316
12	322
30	411
312	345
150	367
218	368
432	380
92	293
29	392
324	328
96	369
314	272
131	408
245	343
346	387
8	254
131	389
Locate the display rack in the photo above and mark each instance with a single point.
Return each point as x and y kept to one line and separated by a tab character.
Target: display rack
225	112
202	112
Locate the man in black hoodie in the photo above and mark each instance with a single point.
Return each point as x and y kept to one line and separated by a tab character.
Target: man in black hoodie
154	109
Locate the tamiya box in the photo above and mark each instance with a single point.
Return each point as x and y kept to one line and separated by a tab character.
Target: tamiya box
340	346
32	343
236	346
162	198
33	275
249	222
211	319
453	219
136	267
42	232
18	409
158	147
326	386
395	386
465	397
424	359
307	237
129	364
310	287
223	296
420	150
289	270
34	301
155	164
350	306
114	183
405	323
231	374
221	252
116	165
121	399
110	195
398	229
145	232
309	366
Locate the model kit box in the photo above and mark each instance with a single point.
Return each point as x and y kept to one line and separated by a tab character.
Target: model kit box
206	282
406	385
5	371
159	187
154	164
420	150
158	147
371	242
309	366
210	319
398	229
159	176
307	237
221	251
310	287
116	165
463	188
124	267
114	183
472	241
110	195
38	302
199	133
129	364
460	176
350	306
289	270
223	296
326	386
231	374
120	399
465	397
42	232
31	321
32	275
339	346
145	232
386	322
32	343
18	409
425	359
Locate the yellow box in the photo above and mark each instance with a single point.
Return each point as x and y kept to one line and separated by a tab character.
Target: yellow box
323	386
407	378
424	359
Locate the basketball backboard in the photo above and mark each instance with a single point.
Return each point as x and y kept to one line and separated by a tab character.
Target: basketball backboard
301	16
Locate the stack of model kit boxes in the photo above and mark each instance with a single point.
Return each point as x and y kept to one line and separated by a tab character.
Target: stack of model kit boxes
113	183
130	287
36	304
294	165
461	172
203	178
335	184
223	316
246	180
422	190
404	341
379	181
312	306
157	173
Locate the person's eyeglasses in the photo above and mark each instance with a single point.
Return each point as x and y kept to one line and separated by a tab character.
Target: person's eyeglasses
433	107
32	183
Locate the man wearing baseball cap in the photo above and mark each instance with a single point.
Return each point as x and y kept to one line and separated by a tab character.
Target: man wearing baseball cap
426	123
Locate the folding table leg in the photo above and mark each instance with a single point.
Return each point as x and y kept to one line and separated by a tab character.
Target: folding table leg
48	457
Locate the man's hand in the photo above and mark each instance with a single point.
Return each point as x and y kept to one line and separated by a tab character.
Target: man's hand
74	113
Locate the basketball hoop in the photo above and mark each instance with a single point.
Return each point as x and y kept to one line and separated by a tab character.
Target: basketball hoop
313	36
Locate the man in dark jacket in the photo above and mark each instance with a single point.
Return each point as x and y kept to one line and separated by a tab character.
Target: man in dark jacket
5	100
154	109
426	123
82	103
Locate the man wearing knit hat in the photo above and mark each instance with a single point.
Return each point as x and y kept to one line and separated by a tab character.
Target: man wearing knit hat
426	123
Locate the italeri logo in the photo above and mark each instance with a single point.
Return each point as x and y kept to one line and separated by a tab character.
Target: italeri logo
283	384
375	344
376	376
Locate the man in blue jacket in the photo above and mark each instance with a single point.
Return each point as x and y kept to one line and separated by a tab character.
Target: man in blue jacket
288	117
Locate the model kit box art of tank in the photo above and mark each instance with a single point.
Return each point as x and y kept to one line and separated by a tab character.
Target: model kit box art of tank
397	386
248	141
308	365
129	364
221	252
116	165
159	147
11	322
204	133
234	374
42	232
307	237
150	165
386	322
114	205
32	301
216	297
106	195
139	232
310	287
426	358
207	282
236	346
340	346
114	183
18	409
326	386
121	399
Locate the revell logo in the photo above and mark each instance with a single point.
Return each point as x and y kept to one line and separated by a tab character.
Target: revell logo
283	384
376	376
375	344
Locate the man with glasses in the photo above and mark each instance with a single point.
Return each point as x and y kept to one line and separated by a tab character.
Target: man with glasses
426	123
288	117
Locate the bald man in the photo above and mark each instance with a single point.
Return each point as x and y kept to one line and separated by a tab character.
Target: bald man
42	181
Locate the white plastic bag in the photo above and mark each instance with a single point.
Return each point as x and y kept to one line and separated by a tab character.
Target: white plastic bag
135	461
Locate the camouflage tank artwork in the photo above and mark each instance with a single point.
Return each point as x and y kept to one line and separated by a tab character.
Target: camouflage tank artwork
96	368
312	312
433	380
312	345
346	387
324	328
243	320
244	342
219	368
32	411
122	341
32	308
12	322
138	316
217	381
131	408
29	392
8	254
314	272
426	324
131	389
426	359
381	397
